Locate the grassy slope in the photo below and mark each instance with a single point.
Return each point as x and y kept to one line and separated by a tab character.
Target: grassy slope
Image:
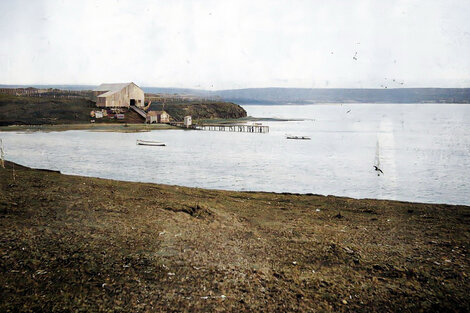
71	243
23	110
202	110
43	110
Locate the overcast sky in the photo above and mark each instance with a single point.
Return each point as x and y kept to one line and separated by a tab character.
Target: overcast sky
237	44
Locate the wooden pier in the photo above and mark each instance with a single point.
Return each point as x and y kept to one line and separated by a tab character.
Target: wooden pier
233	128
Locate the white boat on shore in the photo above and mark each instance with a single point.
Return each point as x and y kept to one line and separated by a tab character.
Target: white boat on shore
150	143
298	137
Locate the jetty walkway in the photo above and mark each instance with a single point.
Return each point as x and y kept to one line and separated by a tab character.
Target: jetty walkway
244	128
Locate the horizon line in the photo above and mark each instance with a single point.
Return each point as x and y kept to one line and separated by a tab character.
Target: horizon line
215	90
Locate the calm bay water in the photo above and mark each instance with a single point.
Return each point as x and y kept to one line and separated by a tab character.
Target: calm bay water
423	149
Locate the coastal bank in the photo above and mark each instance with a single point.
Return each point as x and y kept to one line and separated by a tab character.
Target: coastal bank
64	107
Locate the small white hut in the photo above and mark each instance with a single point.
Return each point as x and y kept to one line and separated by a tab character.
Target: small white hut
158	117
187	121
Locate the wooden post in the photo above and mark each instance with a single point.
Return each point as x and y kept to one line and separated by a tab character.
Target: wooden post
2	154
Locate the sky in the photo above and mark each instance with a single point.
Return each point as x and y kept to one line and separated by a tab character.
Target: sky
237	44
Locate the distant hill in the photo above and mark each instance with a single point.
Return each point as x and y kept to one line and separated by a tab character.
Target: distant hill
169	90
306	95
62	87
165	90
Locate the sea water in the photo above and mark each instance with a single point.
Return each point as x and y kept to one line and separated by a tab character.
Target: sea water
422	149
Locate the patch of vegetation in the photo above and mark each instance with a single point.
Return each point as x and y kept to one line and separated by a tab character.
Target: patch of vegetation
24	110
201	110
57	109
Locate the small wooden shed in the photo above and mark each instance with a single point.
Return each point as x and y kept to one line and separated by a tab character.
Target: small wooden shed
187	121
158	117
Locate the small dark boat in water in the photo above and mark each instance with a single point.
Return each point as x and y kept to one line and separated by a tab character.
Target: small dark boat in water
298	137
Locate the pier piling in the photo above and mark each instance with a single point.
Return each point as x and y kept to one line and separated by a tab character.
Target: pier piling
233	128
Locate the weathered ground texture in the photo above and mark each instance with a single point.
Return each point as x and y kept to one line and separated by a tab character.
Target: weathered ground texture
86	244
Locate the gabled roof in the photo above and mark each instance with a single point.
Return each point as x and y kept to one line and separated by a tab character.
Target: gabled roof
155	113
112	87
108	93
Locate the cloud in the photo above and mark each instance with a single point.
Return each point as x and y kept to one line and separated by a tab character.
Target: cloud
231	44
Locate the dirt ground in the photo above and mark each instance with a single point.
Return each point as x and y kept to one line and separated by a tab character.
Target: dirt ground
71	243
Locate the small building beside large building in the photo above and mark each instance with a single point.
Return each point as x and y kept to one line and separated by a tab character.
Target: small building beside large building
119	95
188	121
158	117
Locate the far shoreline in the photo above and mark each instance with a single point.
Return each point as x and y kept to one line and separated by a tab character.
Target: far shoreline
106	127
132	127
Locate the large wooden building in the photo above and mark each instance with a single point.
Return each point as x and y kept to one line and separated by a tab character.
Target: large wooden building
119	95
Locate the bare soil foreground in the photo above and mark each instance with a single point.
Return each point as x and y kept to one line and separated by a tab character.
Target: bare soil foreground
71	243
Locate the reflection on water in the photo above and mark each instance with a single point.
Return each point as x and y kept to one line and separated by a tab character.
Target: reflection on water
424	153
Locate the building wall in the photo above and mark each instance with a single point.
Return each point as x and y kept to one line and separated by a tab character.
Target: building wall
187	121
134	92
154	117
123	97
100	102
164	118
